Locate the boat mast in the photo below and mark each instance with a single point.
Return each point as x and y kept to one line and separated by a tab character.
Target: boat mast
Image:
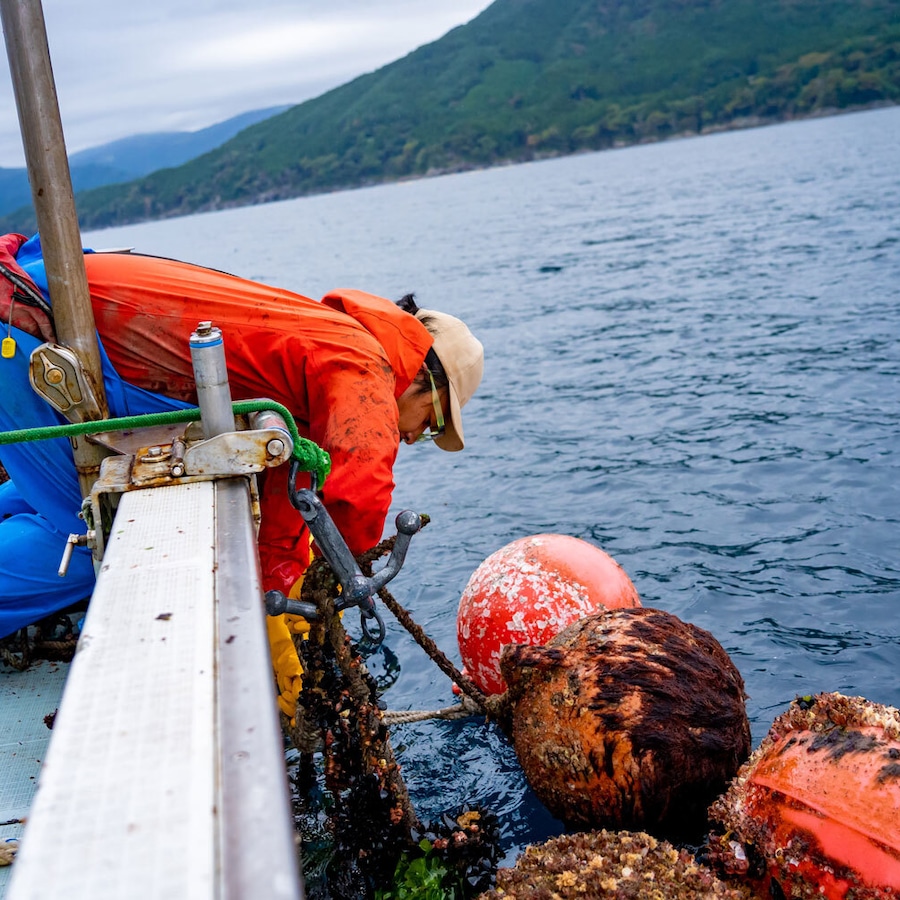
54	205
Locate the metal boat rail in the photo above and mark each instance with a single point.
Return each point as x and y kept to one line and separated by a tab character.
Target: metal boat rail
165	774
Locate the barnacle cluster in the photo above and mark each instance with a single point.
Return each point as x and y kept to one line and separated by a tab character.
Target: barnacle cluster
629	718
609	865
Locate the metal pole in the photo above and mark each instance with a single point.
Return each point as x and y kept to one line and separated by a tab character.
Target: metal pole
211	378
254	796
54	205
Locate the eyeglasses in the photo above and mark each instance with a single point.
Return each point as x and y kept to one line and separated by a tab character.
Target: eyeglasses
438	414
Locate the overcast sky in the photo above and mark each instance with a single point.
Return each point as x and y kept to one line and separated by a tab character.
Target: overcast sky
125	67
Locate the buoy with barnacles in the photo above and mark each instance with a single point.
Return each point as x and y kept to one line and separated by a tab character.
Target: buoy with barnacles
816	808
527	592
629	718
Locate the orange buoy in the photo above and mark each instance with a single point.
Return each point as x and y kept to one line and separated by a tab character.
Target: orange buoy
527	592
816	808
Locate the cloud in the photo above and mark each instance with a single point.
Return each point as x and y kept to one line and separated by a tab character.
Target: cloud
132	68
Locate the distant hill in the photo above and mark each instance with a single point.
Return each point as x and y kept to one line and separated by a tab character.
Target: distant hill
132	157
528	79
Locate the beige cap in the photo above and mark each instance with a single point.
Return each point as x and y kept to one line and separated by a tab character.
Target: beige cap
462	357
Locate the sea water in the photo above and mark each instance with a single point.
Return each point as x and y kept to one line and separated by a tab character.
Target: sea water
692	361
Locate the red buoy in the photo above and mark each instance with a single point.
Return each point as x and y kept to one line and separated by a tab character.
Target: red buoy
527	592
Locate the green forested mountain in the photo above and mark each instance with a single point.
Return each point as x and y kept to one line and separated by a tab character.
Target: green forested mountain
534	78
132	157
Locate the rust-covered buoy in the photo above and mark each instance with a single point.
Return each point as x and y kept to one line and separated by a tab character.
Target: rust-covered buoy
605	865
527	592
816	808
629	718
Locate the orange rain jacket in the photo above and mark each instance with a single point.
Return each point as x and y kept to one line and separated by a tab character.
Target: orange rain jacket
338	366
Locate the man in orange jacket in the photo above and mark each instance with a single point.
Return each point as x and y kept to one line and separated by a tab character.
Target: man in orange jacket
360	374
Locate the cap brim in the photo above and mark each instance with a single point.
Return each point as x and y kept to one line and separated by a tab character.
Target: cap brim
452	439
462	358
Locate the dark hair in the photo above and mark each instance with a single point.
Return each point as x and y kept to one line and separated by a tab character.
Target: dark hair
408	304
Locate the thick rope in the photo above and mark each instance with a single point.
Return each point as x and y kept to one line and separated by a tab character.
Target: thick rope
465	709
18	658
310	456
494	707
8	852
53	639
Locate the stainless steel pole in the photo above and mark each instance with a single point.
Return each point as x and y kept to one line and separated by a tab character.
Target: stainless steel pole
54	205
211	378
254	795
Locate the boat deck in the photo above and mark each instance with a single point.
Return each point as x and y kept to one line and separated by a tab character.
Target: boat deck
26	699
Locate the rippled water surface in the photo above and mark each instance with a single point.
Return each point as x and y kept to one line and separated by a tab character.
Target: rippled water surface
693	352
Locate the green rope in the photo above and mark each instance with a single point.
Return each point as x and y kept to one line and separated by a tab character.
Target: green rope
311	457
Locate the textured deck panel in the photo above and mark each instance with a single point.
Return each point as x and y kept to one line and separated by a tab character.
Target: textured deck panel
26	698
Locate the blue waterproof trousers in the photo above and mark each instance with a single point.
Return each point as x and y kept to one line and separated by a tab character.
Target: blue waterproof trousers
39	505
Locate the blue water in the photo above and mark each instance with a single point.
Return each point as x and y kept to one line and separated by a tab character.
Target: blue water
693	351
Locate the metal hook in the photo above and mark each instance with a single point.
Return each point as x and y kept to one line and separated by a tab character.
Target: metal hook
365	616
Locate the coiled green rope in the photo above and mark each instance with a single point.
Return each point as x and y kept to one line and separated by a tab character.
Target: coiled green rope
310	456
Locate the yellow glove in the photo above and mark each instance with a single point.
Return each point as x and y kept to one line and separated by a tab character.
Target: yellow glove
288	671
297	624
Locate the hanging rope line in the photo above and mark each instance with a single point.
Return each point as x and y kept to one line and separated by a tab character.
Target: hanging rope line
371	815
310	456
495	707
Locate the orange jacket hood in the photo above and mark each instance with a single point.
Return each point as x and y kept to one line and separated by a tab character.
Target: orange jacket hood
404	338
